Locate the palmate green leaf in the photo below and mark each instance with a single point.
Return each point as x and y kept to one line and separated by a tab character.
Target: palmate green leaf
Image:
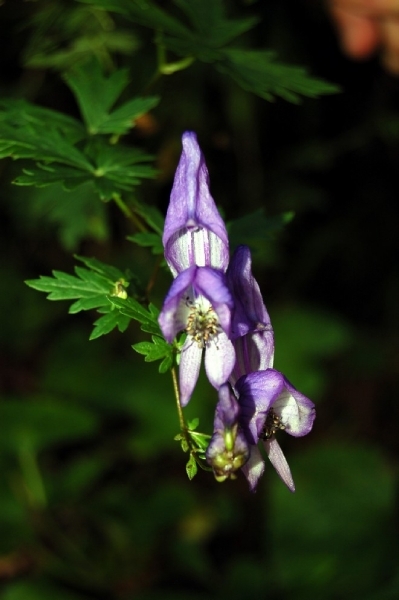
210	23
41	144
109	168
23	115
145	13
96	94
258	71
209	28
117	168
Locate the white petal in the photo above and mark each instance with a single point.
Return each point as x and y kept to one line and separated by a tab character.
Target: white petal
220	358
190	362
254	468
279	462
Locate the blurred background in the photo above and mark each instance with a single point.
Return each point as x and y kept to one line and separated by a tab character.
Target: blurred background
94	499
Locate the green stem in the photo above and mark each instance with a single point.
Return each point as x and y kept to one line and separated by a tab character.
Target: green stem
127	212
182	422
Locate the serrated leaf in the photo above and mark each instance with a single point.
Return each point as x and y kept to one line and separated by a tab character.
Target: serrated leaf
91	289
49	145
112	169
23	115
43	175
145	13
148	240
96	94
133	309
108	322
259	72
88	304
151	328
154	350
166	364
191	467
208	19
111	273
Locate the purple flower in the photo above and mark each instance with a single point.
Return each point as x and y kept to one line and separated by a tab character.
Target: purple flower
194	233
200	303
228	449
269	403
251	329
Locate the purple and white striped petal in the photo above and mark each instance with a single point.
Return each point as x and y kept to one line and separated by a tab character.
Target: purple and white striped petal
279	462
219	360
189	367
194	232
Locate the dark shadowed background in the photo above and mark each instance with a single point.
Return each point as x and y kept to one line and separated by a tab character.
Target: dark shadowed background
94	499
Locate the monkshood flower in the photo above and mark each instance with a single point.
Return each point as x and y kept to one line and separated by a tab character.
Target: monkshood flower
194	232
269	403
228	449
251	329
200	303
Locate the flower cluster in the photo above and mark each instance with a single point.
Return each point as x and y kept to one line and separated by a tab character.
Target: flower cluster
219	305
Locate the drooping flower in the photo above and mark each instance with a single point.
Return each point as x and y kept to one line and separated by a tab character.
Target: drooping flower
200	303
251	329
194	232
228	449
269	403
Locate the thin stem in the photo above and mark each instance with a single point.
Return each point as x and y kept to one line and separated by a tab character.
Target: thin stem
182	422
153	277
128	213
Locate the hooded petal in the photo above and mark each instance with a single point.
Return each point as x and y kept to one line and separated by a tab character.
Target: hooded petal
173	316
295	410
194	231
190	362
250	313
254	468
279	462
257	392
219	360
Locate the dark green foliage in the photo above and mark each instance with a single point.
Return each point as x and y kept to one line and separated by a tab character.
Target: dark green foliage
207	39
94	497
97	95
